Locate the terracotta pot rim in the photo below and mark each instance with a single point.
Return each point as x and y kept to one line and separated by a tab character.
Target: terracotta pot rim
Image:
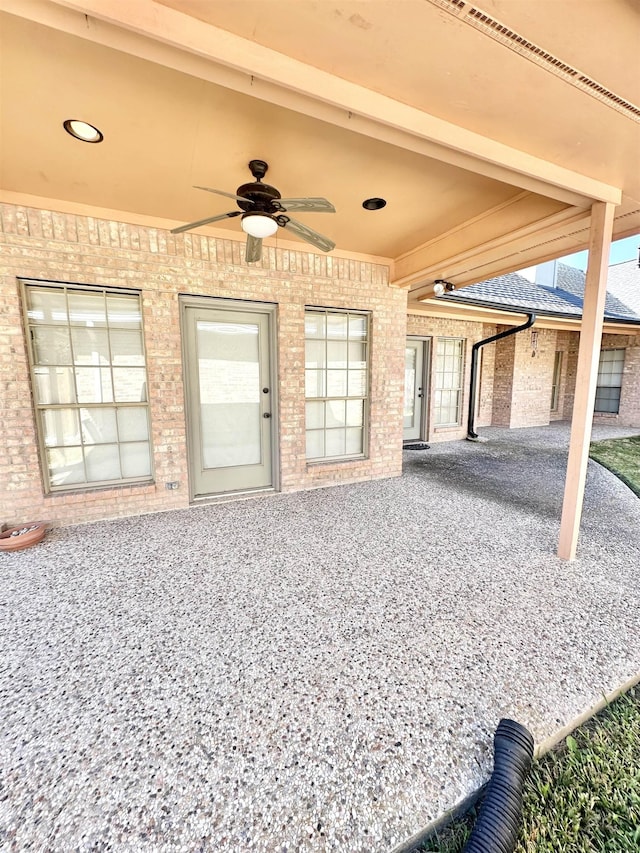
26	540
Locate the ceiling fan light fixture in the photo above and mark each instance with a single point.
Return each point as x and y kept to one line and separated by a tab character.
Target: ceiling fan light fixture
82	130
259	225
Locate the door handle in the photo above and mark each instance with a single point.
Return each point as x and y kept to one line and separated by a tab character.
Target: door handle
266	415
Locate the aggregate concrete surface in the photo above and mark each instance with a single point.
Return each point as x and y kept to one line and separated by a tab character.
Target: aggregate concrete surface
318	671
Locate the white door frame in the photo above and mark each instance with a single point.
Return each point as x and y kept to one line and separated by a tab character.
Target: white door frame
232	305
422	381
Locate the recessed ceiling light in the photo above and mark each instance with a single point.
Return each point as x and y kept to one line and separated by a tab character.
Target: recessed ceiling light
82	130
374	203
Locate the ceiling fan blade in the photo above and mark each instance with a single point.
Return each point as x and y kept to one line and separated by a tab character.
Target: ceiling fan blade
306	205
253	251
205	221
307	233
222	192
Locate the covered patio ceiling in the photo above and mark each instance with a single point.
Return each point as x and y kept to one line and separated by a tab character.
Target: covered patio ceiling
489	131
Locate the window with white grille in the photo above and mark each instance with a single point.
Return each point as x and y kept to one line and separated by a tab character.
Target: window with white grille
89	378
448	381
336	383
609	382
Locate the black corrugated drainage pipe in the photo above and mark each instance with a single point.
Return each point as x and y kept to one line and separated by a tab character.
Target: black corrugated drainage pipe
472	435
496	829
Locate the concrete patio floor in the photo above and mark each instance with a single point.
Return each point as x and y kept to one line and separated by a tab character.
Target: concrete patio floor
320	671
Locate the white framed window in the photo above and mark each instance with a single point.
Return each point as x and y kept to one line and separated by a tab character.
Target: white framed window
448	381
89	380
336	383
609	381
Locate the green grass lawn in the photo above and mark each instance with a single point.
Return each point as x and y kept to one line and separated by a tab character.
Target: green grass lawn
581	797
622	457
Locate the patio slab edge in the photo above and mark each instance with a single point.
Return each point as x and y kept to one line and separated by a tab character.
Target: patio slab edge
412	844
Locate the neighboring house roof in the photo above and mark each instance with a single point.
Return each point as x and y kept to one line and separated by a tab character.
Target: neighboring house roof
515	292
624	283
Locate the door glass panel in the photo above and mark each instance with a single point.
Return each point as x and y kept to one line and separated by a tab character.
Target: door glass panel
410	358
229	385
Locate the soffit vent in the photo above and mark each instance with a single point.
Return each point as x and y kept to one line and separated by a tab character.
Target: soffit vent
519	44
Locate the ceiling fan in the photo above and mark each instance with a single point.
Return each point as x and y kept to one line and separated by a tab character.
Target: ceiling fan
263	210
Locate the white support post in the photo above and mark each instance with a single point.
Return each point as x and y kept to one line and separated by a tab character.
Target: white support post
588	357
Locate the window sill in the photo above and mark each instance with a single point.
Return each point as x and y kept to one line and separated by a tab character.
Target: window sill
338	460
91	490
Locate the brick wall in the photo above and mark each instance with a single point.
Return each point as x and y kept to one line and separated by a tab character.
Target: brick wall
47	245
531	403
484	412
566	343
629	414
470	332
524	373
505	350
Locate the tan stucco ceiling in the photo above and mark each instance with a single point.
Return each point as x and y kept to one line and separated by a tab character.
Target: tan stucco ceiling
487	158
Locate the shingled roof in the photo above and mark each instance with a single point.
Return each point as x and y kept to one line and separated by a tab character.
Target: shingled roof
516	293
624	283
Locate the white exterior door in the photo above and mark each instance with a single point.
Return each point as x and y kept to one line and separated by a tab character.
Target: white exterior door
229	399
415	380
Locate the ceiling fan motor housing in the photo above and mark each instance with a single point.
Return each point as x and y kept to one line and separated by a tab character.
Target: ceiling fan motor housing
259	197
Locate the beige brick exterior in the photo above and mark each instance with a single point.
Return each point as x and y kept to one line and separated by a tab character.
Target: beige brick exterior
470	332
524	372
52	246
629	414
517	374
